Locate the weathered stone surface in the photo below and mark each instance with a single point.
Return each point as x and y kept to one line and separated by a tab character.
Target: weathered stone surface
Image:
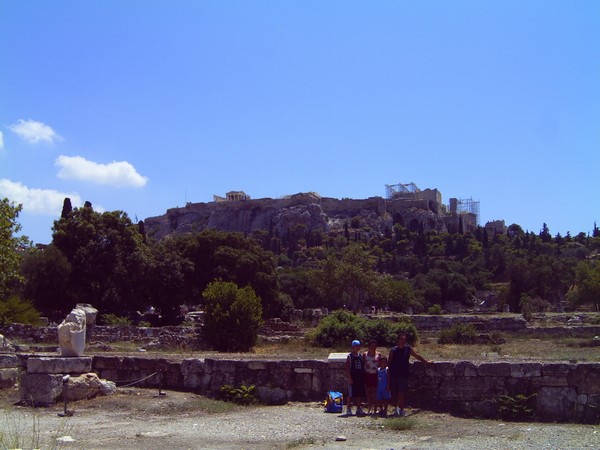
8	361
8	377
586	377
551	369
494	370
6	345
551	381
87	386
464	369
471	388
525	370
556	403
56	365
71	333
273	396
40	388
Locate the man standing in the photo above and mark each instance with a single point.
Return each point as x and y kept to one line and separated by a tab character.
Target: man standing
399	366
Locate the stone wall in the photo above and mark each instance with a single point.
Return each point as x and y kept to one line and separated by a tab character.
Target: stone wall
564	391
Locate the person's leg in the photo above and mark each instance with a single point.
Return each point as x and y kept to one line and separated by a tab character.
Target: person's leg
349	402
402	388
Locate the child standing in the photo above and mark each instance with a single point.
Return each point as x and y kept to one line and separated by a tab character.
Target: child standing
355	370
383	387
371	360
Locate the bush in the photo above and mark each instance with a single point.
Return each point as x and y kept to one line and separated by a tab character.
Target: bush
16	310
340	327
459	333
517	408
242	395
435	310
114	320
232	316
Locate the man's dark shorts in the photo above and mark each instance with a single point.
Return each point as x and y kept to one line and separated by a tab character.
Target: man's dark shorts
398	385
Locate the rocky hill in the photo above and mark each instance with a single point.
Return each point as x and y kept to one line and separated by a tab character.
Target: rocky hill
315	213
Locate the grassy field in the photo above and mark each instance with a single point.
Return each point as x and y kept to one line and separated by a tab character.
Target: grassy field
514	349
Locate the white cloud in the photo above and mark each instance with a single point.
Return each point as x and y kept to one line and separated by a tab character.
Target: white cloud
1	140
37	201
34	132
118	174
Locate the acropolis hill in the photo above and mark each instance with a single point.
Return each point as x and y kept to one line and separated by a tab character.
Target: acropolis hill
239	213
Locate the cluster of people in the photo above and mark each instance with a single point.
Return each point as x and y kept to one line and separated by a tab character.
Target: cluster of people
378	381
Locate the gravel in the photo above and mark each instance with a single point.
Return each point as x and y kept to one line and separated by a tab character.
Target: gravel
141	419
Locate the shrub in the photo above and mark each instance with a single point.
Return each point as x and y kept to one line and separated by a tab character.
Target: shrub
232	316
435	310
16	310
459	333
242	395
340	327
114	320
517	408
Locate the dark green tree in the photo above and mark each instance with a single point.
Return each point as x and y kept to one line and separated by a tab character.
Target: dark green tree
10	246
232	316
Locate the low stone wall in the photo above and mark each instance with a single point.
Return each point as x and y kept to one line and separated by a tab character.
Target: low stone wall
563	391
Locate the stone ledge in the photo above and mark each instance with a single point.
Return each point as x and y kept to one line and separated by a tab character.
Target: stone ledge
57	365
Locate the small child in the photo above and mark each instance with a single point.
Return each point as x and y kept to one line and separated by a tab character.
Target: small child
383	387
355	375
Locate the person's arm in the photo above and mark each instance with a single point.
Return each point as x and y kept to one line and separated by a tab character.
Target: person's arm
387	371
419	357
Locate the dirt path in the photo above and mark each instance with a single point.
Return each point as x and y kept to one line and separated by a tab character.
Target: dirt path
136	418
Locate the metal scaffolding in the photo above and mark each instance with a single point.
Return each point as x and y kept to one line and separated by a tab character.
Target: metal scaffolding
395	190
468	205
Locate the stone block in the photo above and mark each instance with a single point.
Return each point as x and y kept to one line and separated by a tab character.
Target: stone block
471	388
302	382
59	365
439	369
556	369
550	381
106	362
8	361
464	369
8	377
272	396
337	357
303	370
40	388
586	378
192	366
556	403
256	365
494	370
525	370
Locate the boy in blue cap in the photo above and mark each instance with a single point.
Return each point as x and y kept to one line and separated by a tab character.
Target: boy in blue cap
355	373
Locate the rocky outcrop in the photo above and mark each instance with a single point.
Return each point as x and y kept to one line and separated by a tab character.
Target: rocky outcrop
307	210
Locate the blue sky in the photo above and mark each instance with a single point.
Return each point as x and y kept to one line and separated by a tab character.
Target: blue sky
141	106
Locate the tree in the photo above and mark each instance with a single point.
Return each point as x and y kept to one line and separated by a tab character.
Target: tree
587	285
10	256
47	273
107	257
229	257
67	208
232	316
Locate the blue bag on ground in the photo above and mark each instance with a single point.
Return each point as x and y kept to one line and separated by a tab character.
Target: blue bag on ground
334	402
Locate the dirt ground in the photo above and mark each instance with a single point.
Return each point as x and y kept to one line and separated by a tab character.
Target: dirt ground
141	418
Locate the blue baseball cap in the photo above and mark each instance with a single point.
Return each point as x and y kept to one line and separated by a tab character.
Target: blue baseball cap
355	342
